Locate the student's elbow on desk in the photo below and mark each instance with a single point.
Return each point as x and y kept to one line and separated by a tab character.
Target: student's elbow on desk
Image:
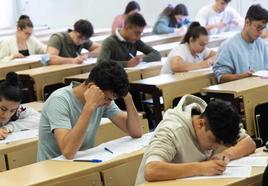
68	153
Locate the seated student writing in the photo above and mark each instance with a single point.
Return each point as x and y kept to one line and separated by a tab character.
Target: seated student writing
65	47
13	116
22	44
191	53
72	114
172	19
246	52
185	140
219	17
122	46
119	21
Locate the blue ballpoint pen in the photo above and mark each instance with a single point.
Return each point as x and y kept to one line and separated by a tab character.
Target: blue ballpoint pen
92	161
131	55
105	148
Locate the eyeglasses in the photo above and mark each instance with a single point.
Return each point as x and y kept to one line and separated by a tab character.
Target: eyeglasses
259	27
27	33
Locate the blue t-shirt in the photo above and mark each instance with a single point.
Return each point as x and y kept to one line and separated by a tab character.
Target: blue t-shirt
237	56
62	110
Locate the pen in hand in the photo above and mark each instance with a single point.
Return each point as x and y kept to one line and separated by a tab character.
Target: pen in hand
105	148
131	55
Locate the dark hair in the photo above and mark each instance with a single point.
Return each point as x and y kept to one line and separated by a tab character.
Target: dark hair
110	76
257	13
227	1
171	12
24	21
10	89
135	19
194	31
132	5
223	121
84	27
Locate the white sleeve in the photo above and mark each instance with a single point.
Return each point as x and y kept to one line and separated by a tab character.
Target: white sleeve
201	17
206	53
39	47
28	119
5	53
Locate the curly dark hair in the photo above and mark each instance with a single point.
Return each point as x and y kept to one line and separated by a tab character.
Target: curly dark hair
110	76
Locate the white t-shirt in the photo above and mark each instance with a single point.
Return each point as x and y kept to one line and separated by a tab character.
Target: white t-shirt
183	51
207	16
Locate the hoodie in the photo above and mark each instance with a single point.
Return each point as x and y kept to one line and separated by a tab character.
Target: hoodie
175	139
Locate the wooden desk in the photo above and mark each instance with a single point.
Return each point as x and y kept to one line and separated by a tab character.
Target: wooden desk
254	180
250	90
36	79
161	39
133	74
172	86
20	153
17	66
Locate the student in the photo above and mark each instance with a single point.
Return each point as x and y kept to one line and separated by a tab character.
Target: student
219	17
13	116
122	46
186	138
191	53
172	20
244	53
119	21
65	47
22	44
72	114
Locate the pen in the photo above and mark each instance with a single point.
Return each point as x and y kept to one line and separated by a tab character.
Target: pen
105	148
92	161
131	55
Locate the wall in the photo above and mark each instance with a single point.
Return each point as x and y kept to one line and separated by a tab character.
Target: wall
59	13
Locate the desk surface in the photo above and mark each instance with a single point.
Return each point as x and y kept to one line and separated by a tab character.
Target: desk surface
47	172
167	79
256	176
237	87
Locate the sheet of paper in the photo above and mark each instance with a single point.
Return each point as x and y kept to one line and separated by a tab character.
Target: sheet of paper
250	161
230	172
261	73
90	61
118	147
21	135
28	58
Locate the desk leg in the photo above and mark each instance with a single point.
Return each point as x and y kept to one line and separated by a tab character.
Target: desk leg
157	106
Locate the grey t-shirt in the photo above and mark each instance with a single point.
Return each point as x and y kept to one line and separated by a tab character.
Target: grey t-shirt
62	110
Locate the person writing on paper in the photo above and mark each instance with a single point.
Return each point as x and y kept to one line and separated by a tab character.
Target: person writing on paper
22	44
72	114
172	19
122	46
65	47
119	21
244	53
191	53
13	116
185	141
219	17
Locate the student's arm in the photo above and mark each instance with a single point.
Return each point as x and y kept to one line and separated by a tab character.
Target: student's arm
161	171
244	147
5	52
231	77
28	119
162	27
179	65
70	140
150	53
53	50
117	23
94	49
129	121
